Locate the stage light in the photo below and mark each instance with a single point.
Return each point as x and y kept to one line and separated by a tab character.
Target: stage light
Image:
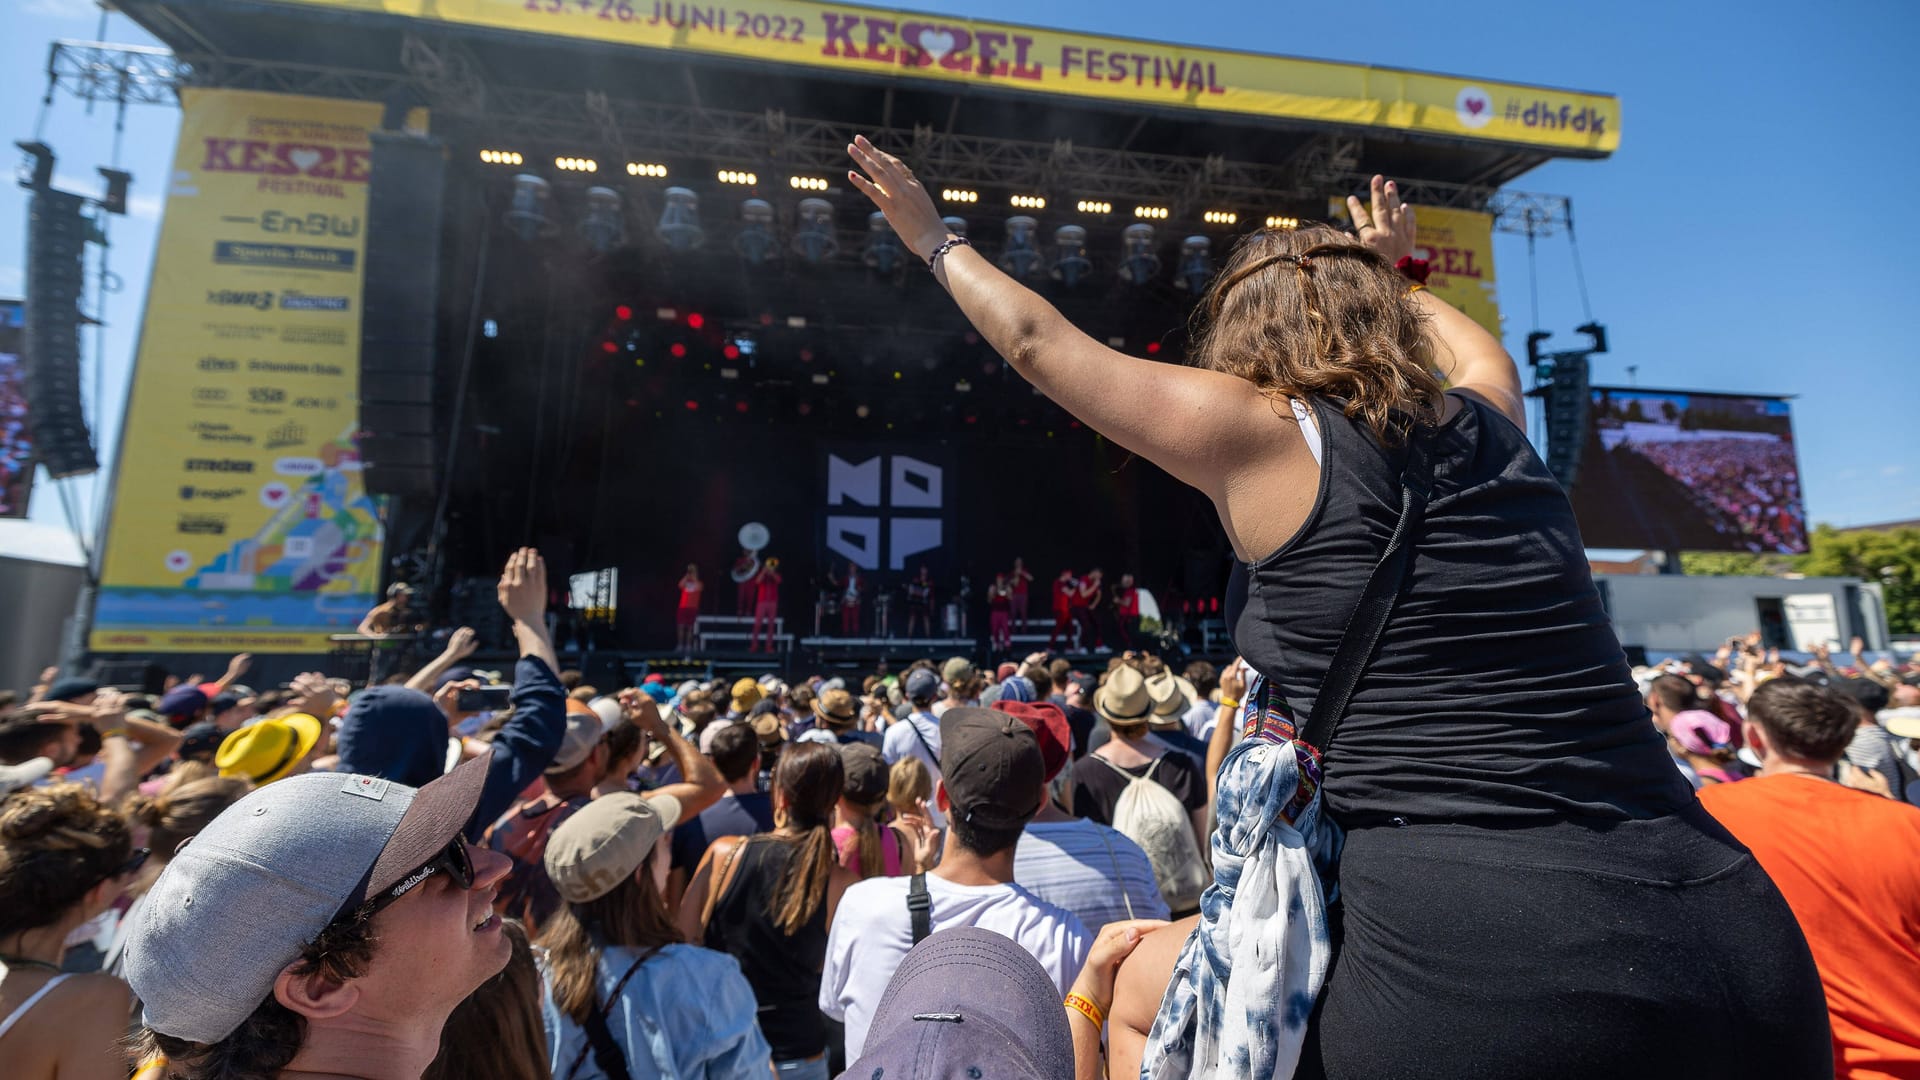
1070	263
609	348
862	411
731	352
1279	222
1151	212
527	210
963	387
1153	348
959	195
813	237
735	176
695	320
755	242
677	350
1138	264
1196	264
603	227
884	253
1029	202
623	313
501	157
679	226
729	373
575	164
740	406
1093	206
807	183
640	168
819	379
1220	217
692	405
1019	256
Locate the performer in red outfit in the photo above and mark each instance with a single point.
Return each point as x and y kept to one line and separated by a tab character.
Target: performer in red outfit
745	571
1020	581
687	615
1000	624
1126	609
850	596
1063	589
766	606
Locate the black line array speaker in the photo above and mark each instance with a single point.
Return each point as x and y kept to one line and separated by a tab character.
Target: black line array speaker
50	353
397	316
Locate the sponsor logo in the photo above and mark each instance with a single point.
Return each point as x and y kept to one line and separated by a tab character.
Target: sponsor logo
294	367
238	331
299	466
231	465
1472	107
282	256
209	393
297	301
317	223
287	434
258	300
218	363
313	335
202	524
266	395
188	493
1541	114
316	403
269	158
210	431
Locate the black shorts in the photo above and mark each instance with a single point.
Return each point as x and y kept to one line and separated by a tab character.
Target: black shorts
1577	951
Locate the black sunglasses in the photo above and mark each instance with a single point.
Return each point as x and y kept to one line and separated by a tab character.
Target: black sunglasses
451	860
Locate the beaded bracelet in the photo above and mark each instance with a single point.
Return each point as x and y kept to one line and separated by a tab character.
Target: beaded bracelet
933	260
1088	1009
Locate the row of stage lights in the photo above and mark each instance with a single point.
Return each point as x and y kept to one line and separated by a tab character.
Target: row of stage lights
744	178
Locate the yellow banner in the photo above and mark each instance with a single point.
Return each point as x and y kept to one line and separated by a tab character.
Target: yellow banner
880	42
1459	246
239	520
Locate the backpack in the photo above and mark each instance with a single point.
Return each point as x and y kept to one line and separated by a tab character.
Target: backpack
1149	815
521	835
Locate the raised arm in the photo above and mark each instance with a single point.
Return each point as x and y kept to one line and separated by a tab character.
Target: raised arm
702	785
460	645
1188	421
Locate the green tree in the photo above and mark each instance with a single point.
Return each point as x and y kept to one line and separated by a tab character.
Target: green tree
1891	559
1733	564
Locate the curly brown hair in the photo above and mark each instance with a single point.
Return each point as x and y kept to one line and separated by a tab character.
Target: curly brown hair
1313	312
56	843
267	1040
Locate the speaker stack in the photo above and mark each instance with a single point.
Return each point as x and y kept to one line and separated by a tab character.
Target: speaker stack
50	345
397	347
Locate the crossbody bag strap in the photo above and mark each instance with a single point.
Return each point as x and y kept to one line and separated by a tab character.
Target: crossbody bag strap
920	907
606	1052
1118	878
1361	639
924	744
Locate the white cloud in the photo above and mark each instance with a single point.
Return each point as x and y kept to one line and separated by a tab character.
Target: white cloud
1892	470
146	207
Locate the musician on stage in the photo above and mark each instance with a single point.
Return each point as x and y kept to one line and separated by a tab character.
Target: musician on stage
393	617
766	605
999	623
1088	599
850	595
1064	589
686	617
920	602
1126	610
1018	584
746	568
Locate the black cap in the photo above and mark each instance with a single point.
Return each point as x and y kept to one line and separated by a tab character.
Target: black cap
992	767
201	739
866	773
71	687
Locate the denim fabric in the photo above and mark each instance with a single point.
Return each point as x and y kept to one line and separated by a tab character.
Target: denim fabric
687	1012
1248	977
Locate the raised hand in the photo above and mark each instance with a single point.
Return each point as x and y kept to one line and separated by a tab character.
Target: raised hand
523	587
897	194
313	694
1387	225
926	838
238	665
462	642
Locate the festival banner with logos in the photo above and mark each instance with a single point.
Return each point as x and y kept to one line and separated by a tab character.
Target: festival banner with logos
871	42
16	442
239	520
1458	244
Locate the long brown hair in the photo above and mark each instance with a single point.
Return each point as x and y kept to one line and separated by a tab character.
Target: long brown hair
56	843
497	1033
633	915
1314	313
808	780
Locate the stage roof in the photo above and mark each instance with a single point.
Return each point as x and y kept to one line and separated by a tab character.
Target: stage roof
905	70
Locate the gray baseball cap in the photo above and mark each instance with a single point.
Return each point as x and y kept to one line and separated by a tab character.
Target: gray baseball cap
239	901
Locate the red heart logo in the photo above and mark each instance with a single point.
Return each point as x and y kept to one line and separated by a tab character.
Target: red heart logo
1474	105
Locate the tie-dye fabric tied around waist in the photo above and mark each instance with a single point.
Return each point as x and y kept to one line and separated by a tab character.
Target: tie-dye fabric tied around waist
1247	979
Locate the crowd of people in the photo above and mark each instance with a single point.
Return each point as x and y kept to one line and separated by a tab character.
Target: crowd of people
1749	486
1429	824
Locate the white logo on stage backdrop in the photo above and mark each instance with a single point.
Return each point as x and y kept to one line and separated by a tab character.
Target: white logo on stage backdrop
884	483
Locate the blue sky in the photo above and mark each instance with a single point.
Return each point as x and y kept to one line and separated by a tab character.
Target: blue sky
1752	233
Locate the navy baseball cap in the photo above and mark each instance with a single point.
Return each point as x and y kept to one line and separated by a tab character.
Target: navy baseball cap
394	733
70	687
923	683
968	1004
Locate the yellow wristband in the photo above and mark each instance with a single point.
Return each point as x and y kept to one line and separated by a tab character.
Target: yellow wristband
1088	1009
1229	703
1414	288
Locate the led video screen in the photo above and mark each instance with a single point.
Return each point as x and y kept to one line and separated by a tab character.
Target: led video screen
1677	470
16	445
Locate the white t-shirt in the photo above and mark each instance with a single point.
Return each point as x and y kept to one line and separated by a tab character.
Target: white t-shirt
1089	869
872	933
900	741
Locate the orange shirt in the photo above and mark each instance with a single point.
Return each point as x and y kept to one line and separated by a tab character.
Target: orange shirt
1849	865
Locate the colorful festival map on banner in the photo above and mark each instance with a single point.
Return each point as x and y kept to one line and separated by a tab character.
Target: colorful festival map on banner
239	519
870	42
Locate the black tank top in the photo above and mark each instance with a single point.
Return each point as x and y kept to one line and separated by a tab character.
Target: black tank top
1500	694
783	971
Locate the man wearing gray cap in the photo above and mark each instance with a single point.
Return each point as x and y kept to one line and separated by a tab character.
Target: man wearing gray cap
324	924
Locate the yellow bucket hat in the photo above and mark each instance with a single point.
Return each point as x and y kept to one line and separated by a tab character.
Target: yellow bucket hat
268	750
